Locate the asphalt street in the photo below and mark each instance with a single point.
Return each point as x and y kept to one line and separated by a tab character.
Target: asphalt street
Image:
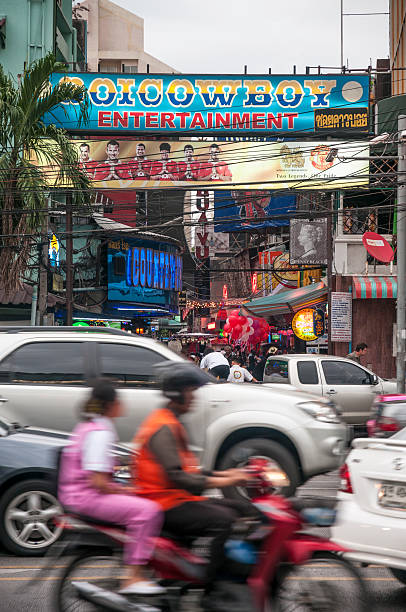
22	589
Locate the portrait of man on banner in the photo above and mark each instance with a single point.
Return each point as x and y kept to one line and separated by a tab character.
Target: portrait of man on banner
308	241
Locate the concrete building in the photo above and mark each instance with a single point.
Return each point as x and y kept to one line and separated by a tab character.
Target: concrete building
397	43
115	40
29	29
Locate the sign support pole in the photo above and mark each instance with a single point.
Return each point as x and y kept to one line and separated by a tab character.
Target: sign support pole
330	210
401	257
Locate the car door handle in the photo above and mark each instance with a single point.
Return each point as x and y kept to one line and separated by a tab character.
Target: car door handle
331	392
3	400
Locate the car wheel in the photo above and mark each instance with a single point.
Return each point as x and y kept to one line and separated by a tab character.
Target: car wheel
399	574
280	463
27	513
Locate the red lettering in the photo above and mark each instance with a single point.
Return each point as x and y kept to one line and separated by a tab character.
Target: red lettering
120	119
104	119
291	117
258	121
151	120
241	121
202	198
223	121
202	218
197	121
167	120
209	120
183	117
275	121
202	237
202	253
136	117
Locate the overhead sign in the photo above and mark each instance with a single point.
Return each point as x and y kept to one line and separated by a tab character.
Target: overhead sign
308	324
334	120
308	241
340	318
142	164
173	104
378	247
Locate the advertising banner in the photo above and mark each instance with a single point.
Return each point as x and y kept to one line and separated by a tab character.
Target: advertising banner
341	316
138	165
308	241
143	272
243	210
173	104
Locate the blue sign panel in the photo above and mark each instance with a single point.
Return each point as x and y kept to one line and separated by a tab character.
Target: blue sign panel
242	210
172	104
143	272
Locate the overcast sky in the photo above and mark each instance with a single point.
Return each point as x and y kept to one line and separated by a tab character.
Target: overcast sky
222	36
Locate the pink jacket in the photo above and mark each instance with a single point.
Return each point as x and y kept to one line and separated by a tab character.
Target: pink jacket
74	486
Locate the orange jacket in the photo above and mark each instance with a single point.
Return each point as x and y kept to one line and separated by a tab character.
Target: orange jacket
149	476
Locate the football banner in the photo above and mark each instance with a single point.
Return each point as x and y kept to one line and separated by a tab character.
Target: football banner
143	164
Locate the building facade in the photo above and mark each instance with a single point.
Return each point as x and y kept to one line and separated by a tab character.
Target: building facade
29	29
115	40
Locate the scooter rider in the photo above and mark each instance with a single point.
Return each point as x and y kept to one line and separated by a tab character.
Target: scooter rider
167	472
86	486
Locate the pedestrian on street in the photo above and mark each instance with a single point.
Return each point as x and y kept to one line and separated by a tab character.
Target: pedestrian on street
238	374
175	345
216	364
259	368
360	351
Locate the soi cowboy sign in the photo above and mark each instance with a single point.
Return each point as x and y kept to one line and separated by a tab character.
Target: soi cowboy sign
187	103
143	271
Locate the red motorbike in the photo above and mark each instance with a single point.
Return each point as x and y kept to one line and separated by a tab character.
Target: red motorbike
280	567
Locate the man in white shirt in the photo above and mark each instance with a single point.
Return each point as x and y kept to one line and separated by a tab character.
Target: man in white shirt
238	374
216	364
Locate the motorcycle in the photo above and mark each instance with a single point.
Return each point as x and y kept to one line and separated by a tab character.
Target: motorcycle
278	567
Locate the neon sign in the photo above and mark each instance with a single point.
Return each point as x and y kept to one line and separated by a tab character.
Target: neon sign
308	324
152	268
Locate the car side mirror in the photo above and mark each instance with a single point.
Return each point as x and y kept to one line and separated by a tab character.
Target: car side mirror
374	379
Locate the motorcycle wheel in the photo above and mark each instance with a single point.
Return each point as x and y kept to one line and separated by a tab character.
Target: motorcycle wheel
324	583
103	571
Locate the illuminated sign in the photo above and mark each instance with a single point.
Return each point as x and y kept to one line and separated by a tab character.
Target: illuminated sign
174	104
53	251
211	326
225	292
254	282
308	324
144	271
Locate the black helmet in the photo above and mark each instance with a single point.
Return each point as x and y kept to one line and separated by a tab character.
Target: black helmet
178	375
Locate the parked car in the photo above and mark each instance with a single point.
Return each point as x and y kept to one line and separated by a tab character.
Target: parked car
45	375
388	416
350	385
28	502
372	503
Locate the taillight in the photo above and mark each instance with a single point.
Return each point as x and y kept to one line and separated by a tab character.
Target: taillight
387	424
346	485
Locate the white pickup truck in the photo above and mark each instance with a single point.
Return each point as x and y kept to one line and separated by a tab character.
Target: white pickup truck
350	385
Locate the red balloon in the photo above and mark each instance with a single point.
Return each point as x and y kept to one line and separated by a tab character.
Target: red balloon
235	313
227	327
232	321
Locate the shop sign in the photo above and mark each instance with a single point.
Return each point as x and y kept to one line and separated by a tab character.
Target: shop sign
173	104
308	324
143	271
53	252
340	318
239	210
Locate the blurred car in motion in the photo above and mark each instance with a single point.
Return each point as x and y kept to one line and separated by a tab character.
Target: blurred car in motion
388	416
28	503
371	511
46	372
350	385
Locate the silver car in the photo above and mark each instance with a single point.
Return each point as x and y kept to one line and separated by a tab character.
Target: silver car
45	375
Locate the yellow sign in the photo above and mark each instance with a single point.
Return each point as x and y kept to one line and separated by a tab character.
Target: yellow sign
303	324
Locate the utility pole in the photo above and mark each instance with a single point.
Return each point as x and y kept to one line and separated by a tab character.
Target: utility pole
43	270
69	258
401	257
330	243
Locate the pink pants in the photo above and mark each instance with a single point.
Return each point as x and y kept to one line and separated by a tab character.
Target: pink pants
142	519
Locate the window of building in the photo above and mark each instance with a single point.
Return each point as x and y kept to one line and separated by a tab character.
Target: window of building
307	372
129	365
130	68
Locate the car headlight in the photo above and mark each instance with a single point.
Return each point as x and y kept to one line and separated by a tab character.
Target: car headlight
322	411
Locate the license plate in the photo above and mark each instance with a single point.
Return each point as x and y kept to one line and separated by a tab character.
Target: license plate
392	495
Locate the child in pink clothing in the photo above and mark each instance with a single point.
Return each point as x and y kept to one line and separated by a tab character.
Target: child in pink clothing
86	486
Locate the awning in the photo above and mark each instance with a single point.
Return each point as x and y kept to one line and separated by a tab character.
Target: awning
286	302
367	287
